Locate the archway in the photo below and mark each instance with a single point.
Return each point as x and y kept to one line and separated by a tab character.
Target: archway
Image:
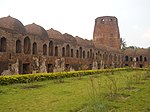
27	45
18	46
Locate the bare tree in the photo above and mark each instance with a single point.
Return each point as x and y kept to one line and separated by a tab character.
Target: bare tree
123	44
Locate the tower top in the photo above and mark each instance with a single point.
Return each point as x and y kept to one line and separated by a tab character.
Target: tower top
106	20
106	31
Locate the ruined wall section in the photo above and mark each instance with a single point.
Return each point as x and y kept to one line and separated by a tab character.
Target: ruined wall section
106	32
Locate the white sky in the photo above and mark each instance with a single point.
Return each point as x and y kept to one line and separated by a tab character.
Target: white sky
77	17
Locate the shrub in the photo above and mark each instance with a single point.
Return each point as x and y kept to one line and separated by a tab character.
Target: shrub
4	80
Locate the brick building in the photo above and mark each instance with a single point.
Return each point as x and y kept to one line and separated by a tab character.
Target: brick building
31	48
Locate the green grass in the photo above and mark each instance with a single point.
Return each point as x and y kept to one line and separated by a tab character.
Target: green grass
94	93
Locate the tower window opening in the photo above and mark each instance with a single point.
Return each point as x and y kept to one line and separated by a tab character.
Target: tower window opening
102	20
110	20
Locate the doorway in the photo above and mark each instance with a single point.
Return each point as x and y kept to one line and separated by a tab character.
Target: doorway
26	68
50	68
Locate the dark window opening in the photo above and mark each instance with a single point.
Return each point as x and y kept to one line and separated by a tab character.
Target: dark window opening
77	54
3	44
110	20
50	68
27	45
137	59
51	48
88	54
131	59
34	48
26	68
141	65
10	56
145	59
56	51
63	52
68	51
18	46
44	49
126	58
67	67
141	58
80	50
83	54
71	52
102	20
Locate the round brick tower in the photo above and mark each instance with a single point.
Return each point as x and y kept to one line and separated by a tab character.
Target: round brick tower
106	32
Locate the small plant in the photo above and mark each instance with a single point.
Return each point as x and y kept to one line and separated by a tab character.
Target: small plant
138	77
146	75
111	84
96	103
129	80
59	79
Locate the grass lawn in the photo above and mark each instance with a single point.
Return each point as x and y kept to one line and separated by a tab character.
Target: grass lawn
126	91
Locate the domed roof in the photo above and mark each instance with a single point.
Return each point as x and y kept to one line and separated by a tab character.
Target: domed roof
54	34
84	42
37	30
69	38
12	24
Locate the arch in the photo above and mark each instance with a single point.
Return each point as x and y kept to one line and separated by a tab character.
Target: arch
27	45
34	48
63	52
145	58
18	46
126	58
77	54
88	54
51	48
56	51
141	58
3	44
80	52
137	59
83	54
131	59
71	52
67	51
44	49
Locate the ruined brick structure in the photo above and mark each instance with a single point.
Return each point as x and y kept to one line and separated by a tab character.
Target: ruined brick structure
32	49
139	57
106	32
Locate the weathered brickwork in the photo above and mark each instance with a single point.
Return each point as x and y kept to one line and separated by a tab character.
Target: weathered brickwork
106	32
32	49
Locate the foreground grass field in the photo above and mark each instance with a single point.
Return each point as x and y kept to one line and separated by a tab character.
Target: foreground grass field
126	91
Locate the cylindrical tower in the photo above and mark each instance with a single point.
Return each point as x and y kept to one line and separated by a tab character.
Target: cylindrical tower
106	32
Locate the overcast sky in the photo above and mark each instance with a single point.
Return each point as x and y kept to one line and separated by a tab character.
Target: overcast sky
77	17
